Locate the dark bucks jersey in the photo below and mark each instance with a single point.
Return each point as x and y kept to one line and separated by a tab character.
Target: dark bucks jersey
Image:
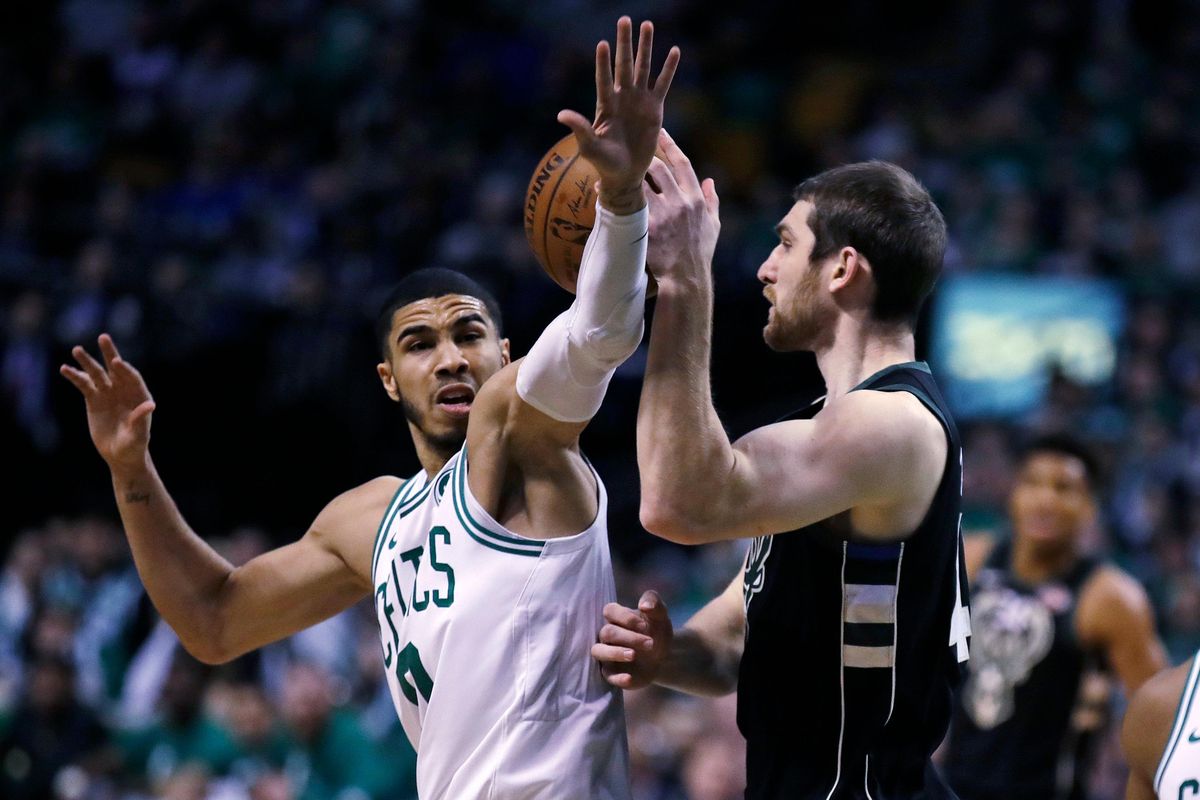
854	650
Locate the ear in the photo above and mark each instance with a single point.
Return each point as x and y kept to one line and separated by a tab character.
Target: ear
849	269
388	380
505	353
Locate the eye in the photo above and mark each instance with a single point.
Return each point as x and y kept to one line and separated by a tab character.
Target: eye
416	345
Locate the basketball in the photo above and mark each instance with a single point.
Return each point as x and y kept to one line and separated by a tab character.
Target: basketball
560	210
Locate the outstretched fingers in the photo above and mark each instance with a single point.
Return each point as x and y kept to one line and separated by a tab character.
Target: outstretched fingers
79	379
92	367
144	409
681	165
662	84
709	187
108	349
604	75
580	125
624	68
645	53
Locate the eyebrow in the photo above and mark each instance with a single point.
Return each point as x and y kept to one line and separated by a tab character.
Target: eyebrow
417	330
782	228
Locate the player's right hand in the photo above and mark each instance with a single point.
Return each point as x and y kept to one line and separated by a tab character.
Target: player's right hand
118	404
635	642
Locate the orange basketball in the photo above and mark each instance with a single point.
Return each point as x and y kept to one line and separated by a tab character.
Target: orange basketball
560	210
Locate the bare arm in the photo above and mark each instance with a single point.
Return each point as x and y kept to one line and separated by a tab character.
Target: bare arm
640	647
218	611
526	422
868	449
1147	727
1115	615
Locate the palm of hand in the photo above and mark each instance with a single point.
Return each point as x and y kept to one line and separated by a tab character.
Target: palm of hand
620	142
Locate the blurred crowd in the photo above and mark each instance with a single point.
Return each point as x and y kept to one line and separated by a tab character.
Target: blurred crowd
228	187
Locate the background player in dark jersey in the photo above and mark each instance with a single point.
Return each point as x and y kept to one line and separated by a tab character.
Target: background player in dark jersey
1160	737
1048	624
846	634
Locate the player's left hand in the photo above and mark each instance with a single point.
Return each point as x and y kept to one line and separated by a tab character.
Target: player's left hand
635	642
685	218
629	111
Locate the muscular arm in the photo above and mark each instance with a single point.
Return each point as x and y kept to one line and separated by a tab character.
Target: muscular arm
218	611
1115	616
639	646
867	449
526	421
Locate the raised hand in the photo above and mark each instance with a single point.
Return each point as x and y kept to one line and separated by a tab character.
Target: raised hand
684	216
118	404
620	142
634	643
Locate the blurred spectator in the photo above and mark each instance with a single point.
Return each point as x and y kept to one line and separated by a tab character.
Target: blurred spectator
47	735
229	188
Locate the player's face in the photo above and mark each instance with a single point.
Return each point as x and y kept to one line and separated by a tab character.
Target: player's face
442	350
1051	502
797	319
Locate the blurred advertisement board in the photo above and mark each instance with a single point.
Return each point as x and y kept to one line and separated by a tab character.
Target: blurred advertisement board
997	338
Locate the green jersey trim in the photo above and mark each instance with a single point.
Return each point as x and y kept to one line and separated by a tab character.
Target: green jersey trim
477	531
384	524
1181	715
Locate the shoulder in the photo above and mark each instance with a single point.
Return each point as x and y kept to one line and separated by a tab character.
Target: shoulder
351	509
887	418
1112	602
892	432
1114	590
1149	718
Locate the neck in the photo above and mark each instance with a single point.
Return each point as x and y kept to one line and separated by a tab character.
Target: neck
858	350
1036	563
433	455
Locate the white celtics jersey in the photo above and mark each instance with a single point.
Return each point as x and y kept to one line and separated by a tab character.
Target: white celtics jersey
486	643
1178	774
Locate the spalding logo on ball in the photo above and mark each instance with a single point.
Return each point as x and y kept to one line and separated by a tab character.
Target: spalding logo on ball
560	210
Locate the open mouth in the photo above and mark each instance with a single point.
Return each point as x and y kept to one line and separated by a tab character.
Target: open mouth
455	399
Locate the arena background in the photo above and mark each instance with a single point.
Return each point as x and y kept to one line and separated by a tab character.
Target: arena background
227	188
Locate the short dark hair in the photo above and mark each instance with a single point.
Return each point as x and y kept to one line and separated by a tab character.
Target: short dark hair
426	283
1064	444
885	213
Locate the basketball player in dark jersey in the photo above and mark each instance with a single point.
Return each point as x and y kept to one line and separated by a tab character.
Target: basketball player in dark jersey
1049	623
846	634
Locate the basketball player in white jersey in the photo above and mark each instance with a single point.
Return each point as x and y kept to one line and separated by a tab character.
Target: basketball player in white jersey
1161	736
488	572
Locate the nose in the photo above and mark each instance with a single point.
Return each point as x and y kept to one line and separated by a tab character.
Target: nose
450	360
766	271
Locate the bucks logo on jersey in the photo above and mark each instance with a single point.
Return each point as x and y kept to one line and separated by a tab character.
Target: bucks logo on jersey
1015	634
755	574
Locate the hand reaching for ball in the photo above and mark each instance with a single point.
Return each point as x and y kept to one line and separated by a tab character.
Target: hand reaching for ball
629	114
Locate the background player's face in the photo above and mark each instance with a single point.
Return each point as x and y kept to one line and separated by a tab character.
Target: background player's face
1051	502
442	349
793	286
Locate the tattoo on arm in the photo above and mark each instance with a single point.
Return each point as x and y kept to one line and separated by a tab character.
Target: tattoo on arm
622	200
133	496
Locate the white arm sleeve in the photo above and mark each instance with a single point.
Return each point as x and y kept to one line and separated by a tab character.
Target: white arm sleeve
568	368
